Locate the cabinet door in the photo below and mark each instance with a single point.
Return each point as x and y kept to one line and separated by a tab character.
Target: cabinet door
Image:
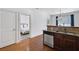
70	43
77	43
58	41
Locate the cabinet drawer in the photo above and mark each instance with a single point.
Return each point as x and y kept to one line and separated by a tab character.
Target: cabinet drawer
57	35
69	37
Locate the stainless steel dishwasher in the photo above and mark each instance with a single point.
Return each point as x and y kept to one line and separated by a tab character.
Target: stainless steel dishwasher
48	39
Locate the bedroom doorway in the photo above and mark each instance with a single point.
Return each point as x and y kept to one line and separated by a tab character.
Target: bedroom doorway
24	26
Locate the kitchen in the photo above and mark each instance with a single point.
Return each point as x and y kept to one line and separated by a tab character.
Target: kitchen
62	31
39	29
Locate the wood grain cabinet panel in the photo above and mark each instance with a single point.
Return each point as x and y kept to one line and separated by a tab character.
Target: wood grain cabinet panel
70	43
58	41
77	43
65	42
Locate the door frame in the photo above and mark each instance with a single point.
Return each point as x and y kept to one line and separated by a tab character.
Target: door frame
19	13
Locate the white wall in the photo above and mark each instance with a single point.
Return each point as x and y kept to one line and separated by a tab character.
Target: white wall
38	20
76	21
0	27
53	20
38	23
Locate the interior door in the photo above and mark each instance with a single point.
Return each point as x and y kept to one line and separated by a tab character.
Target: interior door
7	28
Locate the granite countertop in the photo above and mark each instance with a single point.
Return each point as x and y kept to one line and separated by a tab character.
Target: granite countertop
73	34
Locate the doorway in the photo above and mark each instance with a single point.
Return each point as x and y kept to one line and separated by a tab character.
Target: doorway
24	26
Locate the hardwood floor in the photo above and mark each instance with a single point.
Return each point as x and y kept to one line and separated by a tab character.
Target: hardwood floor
33	44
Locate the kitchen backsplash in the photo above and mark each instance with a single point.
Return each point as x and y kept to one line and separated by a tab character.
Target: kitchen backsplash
63	29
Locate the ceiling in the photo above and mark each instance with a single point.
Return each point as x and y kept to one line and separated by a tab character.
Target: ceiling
57	10
47	10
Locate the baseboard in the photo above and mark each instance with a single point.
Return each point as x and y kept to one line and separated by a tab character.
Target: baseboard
20	40
36	36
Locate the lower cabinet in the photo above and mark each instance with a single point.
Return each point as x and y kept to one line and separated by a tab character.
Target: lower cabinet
70	43
65	42
58	42
62	42
77	43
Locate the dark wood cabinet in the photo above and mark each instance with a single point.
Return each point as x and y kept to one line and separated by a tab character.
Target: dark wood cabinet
58	41
70	42
77	43
65	42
